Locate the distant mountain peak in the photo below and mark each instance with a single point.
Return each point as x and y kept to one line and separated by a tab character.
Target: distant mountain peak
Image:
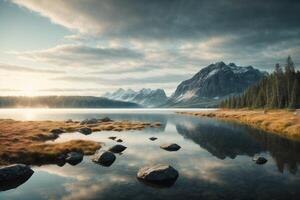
146	96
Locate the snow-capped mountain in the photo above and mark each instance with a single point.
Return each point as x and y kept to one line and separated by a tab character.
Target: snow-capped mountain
145	97
215	82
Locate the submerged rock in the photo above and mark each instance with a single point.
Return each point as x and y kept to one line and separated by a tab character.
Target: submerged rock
158	174
117	148
112	137
61	160
119	140
260	160
57	131
153	138
89	121
14	175
44	137
106	119
105	158
170	147
85	131
74	158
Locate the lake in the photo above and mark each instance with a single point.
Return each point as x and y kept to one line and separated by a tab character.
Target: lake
214	162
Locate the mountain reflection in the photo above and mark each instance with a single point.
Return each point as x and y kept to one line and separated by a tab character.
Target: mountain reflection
221	140
286	152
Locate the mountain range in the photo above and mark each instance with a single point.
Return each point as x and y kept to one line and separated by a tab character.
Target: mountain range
144	97
205	89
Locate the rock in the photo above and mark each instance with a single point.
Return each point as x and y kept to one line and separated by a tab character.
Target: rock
117	148
119	140
158	174
104	158
260	160
61	160
69	121
106	119
112	137
57	131
74	158
85	131
44	137
170	147
153	138
89	121
51	136
14	175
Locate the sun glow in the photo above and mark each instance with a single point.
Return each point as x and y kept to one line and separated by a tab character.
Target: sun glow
29	91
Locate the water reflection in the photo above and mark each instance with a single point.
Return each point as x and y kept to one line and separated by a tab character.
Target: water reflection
205	163
285	152
8	185
220	139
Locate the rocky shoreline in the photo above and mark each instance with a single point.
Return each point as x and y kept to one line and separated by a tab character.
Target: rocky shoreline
26	141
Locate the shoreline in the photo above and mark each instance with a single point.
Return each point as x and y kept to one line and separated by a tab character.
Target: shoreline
26	141
281	122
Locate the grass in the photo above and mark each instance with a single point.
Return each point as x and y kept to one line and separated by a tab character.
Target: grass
26	141
282	122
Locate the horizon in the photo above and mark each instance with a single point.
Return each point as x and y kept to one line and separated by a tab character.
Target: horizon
136	44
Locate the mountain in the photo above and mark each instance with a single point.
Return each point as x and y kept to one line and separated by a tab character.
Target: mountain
212	83
145	97
63	102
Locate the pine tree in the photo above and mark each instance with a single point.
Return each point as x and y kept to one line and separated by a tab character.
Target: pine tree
277	90
295	95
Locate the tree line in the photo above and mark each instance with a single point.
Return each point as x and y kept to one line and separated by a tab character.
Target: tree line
62	102
281	89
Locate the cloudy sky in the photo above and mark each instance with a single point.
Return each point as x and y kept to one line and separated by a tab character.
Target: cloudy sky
88	47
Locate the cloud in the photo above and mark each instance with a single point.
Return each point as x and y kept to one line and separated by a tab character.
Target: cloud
79	55
168	19
15	68
232	31
142	43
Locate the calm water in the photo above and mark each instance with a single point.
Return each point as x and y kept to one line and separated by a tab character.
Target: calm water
215	161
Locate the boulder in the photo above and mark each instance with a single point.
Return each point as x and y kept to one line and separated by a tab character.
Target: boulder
89	121
14	175
61	160
117	148
106	119
57	131
85	131
153	138
105	158
69	121
158	174
260	160
119	140
74	158
112	137
44	137
170	147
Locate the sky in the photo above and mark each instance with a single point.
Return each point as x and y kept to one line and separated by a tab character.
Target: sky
89	47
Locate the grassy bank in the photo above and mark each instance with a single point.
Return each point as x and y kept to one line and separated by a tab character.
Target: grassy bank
25	141
281	122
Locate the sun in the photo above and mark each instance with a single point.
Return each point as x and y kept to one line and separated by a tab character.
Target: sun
29	91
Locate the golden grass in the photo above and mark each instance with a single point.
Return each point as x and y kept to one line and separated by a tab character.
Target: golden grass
281	122
25	141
